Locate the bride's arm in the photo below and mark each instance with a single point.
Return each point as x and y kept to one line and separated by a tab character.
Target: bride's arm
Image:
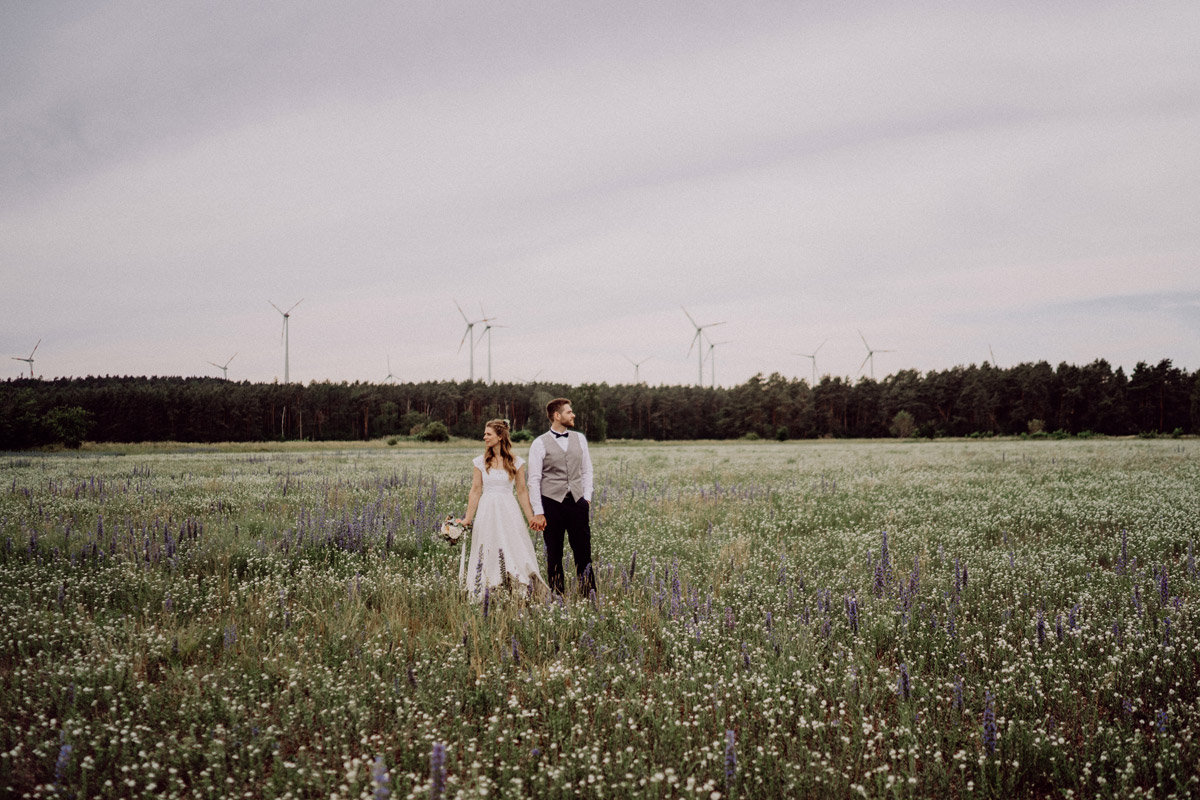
473	497
523	494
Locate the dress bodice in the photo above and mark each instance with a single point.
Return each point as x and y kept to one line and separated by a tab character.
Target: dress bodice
496	479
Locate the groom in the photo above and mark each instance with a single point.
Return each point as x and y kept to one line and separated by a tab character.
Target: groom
560	490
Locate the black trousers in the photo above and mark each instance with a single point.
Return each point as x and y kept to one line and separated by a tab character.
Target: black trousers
571	517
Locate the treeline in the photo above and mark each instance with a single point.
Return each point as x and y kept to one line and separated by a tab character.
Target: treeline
975	400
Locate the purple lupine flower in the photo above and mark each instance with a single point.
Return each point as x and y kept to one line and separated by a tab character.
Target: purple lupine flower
487	597
230	635
951	629
60	766
989	723
1166	632
479	574
768	620
852	612
903	684
380	779
1041	628
1137	599
745	656
1072	617
1058	627
1117	632
1127	706
1161	719
730	763
437	771
729	617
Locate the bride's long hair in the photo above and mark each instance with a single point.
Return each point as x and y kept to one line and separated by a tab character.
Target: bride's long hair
504	446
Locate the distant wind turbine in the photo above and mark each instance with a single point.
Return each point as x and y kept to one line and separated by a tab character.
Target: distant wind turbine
30	359
283	337
712	346
699	350
637	366
813	357
390	376
870	355
993	355
469	334
224	368
487	331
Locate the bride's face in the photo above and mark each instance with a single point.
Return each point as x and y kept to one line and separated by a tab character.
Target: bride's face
490	439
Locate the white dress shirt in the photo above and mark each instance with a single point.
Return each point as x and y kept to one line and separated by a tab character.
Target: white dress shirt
537	454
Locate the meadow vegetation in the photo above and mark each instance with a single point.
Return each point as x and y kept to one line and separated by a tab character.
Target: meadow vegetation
958	618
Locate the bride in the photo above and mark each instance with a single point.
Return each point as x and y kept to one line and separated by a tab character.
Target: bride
498	531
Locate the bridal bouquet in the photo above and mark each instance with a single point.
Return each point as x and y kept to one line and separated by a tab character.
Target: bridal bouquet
452	530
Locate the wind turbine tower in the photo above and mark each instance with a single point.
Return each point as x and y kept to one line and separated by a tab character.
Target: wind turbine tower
30	359
712	346
699	350
637	366
469	334
284	336
870	355
224	368
813	357
487	330
390	376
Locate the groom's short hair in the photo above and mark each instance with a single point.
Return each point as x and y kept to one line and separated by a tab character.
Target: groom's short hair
554	405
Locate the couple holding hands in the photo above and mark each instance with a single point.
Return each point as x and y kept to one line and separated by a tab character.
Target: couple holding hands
553	495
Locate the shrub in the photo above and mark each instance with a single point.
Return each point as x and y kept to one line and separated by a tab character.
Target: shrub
903	425
392	441
434	432
67	424
782	434
750	436
521	436
1036	426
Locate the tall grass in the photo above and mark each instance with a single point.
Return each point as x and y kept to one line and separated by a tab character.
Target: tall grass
985	619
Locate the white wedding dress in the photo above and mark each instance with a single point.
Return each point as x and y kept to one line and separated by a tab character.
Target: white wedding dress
498	525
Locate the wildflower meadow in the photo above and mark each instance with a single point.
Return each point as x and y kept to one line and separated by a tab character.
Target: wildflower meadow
952	618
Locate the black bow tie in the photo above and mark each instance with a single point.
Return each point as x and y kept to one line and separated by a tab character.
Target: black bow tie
558	435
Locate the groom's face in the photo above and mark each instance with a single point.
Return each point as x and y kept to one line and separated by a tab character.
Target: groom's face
565	416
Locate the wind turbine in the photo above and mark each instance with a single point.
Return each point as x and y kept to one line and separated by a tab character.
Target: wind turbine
390	376
637	365
813	357
283	337
713	366
993	355
870	355
700	350
469	334
224	369
487	330
30	359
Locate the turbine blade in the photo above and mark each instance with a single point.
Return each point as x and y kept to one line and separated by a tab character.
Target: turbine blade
277	308
693	344
819	348
689	316
464	315
35	347
298	302
231	358
466	333
860	335
865	360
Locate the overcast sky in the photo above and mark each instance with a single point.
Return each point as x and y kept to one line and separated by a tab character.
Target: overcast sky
946	178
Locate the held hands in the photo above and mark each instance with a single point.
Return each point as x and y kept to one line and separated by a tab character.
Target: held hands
538	522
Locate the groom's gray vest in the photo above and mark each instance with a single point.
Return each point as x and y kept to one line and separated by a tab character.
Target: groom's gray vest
562	472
